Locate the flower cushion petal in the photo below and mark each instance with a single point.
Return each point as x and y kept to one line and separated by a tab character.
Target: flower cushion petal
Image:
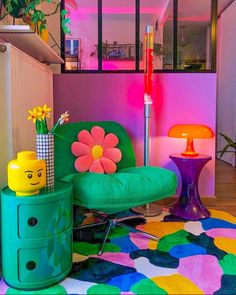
96	167
85	137
113	154
83	163
108	165
85	150
98	134
110	140
80	149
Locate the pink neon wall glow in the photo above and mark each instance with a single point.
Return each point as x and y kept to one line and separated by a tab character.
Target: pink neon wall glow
177	98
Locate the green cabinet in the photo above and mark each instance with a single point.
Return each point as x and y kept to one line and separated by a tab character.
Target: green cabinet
36	237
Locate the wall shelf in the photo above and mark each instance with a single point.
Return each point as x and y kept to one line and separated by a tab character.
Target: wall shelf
27	40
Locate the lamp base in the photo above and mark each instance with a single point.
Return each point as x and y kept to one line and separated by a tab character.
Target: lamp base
189	154
148	210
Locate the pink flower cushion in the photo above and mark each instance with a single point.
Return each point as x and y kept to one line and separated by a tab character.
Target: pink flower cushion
96	152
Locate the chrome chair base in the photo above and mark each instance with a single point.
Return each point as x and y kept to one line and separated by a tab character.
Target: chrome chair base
111	223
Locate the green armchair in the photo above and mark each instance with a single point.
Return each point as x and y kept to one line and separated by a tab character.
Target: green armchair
128	187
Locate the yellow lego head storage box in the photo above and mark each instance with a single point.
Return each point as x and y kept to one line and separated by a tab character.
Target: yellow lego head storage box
26	174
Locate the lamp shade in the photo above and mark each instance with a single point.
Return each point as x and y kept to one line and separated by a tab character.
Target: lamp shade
190	131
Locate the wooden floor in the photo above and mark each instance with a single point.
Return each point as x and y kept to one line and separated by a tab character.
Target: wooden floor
226	187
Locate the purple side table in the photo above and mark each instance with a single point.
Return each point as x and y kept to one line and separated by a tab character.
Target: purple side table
189	205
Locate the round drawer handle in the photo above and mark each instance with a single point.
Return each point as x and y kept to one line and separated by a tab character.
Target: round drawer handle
30	265
32	221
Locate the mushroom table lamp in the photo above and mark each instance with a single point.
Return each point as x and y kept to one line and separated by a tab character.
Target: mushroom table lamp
190	131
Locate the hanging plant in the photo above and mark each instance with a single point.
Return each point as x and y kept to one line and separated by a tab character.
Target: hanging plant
30	11
159	50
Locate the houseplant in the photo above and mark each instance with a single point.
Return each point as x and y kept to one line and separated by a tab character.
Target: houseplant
32	12
230	144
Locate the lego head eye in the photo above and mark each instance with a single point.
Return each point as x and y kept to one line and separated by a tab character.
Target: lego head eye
30	176
39	174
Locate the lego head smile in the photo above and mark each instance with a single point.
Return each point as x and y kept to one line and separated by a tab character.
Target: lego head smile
26	174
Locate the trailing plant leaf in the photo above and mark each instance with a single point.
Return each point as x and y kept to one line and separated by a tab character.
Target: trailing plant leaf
31	6
63	13
9	6
65	22
29	9
37	16
42	27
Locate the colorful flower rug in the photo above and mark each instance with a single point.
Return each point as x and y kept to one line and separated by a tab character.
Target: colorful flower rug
190	258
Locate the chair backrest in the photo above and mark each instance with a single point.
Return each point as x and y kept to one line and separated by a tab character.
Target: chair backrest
66	134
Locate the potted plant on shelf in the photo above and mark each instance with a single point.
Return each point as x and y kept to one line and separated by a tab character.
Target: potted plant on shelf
33	13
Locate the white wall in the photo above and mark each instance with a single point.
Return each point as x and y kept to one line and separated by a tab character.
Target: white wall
226	105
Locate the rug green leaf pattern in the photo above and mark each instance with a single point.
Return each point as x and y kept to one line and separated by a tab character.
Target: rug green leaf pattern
87	249
147	286
228	264
103	289
177	238
118	232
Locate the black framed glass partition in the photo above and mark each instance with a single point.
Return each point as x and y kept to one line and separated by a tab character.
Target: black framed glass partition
80	46
108	35
118	35
194	35
160	15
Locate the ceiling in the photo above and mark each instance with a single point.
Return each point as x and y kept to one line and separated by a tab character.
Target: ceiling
189	10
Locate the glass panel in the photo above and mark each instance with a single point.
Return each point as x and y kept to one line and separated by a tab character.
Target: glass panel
80	46
194	34
168	34
160	15
118	34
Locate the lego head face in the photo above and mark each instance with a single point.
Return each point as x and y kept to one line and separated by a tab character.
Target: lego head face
26	174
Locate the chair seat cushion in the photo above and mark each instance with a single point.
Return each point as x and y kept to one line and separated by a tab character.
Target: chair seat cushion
127	188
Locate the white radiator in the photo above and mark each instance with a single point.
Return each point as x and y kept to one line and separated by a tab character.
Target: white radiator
24	83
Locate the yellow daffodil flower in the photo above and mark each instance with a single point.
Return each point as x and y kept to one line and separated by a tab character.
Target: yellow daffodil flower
33	115
44	112
39	116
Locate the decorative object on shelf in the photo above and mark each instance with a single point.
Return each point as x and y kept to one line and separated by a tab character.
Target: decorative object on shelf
183	39
96	152
118	51
45	138
189	205
72	53
194	64
26	174
190	131
32	11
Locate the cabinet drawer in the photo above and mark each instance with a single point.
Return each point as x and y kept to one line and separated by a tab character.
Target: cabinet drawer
44	219
38	264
